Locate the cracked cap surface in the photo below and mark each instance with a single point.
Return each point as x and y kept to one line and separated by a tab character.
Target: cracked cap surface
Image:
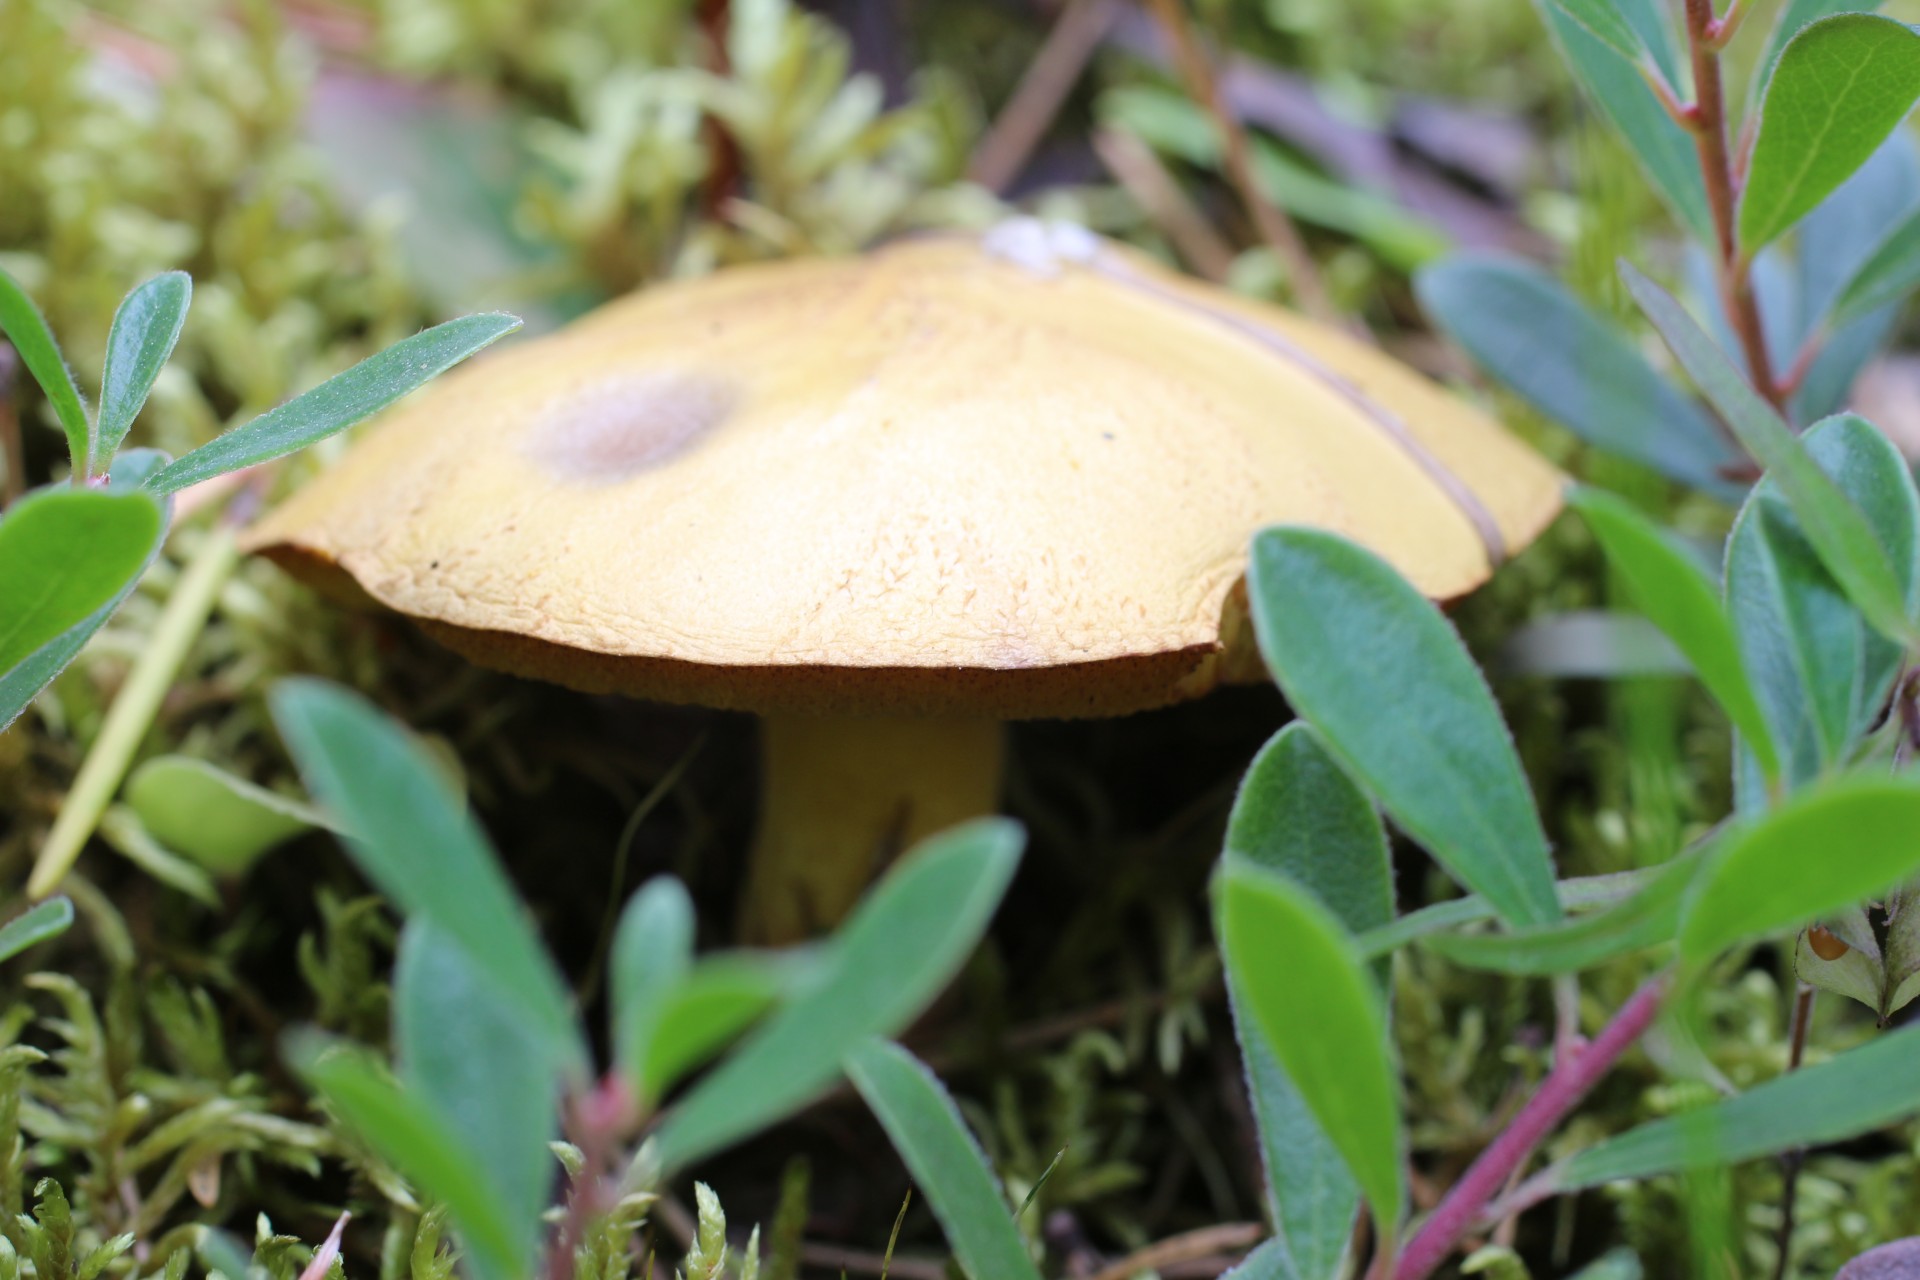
931	479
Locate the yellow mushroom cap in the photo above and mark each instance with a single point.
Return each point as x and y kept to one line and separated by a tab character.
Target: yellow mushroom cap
1011	477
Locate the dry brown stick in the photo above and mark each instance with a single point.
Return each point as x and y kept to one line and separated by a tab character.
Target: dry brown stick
1275	227
1036	100
1187	1247
1135	167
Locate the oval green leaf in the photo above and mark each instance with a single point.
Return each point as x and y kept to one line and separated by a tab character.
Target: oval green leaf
1827	847
1345	636
1299	815
339	402
1310	998
947	1164
902	944
65	553
222	822
1820	672
1840	87
652	954
1527	330
461	1049
144	332
721	997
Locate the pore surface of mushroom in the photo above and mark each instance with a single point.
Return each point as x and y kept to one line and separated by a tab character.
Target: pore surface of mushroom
889	502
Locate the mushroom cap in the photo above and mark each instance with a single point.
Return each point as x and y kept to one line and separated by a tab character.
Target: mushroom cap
1012	477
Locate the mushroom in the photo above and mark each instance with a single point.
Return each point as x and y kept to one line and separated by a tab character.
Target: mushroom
890	502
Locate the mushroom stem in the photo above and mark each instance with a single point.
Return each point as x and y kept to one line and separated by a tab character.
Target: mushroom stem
841	798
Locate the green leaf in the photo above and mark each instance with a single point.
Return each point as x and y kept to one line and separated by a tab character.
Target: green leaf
1268	1262
1299	815
1575	892
222	822
1346	636
36	924
1311	999
723	995
412	836
1780	871
1617	87
1861	1090
1820	672
1602	20
1840	87
21	683
1846	542
1649	918
339	402
1677	595
948	1166
22	325
1796	16
64	553
408	1134
1842	232
1523	327
145	329
652	954
461	1049
1888	275
896	952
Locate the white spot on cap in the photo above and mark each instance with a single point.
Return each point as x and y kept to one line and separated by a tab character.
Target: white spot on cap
611	430
1042	247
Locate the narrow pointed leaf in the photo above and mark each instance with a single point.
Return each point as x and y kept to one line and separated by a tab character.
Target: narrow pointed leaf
411	1137
1524	327
719	998
1602	20
412	836
64	553
144	332
1839	532
1857	1092
652	954
35	925
339	402
1788	868
23	326
1838	90
1844	230
1677	595
1649	918
1310	997
1345	636
461	1049
948	1167
1888	275
900	947
1618	88
1299	815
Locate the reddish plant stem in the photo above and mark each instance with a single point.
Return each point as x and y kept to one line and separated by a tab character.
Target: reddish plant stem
1708	121
1573	1075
